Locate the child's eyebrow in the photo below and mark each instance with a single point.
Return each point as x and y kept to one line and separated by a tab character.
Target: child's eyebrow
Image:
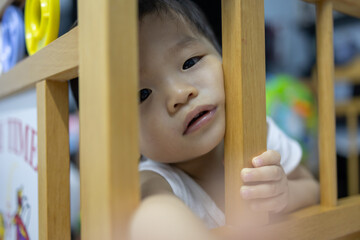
184	42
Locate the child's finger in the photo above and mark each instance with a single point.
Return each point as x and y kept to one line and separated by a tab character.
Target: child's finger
274	204
267	190
269	157
261	174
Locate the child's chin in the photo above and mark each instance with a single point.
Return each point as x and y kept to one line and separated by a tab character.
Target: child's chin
188	153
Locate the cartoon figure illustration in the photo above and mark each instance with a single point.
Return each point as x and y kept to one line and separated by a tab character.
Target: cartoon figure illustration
21	232
2	227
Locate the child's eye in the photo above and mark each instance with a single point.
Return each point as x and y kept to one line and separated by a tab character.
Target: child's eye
144	94
191	62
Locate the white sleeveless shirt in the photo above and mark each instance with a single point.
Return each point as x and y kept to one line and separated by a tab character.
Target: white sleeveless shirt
200	203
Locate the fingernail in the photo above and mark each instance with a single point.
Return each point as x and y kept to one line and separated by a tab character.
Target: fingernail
245	193
258	162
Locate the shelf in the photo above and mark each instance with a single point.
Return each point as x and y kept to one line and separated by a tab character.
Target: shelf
349	7
57	61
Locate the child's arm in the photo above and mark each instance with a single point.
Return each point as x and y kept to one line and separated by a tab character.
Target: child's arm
270	189
304	189
161	215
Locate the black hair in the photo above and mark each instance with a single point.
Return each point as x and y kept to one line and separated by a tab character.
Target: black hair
187	9
184	8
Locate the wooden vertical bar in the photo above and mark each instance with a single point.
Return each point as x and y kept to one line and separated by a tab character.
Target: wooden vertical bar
244	72
353	160
108	79
53	160
325	66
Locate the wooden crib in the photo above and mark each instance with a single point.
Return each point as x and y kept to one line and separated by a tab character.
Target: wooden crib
103	52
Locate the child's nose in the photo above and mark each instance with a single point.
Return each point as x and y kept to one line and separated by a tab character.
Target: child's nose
180	96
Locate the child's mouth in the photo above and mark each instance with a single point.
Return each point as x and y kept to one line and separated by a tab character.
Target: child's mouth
198	118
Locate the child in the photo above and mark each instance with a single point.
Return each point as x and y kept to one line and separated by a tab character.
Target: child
182	125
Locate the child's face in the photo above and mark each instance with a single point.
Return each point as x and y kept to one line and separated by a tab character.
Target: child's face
180	76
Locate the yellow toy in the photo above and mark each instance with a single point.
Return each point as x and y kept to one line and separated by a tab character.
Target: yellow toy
42	22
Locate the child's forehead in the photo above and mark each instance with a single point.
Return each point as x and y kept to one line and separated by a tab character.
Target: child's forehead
162	21
167	36
163	41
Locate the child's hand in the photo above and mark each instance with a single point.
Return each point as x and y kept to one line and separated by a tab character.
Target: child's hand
266	185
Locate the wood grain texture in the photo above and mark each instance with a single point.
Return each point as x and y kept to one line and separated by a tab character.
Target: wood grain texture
53	160
325	76
244	72
108	88
343	107
320	222
57	61
316	222
349	72
349	7
352	236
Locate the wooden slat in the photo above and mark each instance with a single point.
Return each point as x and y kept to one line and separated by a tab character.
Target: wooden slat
353	159
349	73
57	61
343	107
316	222
325	66
349	7
108	117
319	222
352	236
244	71
351	109
53	160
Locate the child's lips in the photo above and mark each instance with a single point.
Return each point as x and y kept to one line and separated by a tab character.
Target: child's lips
198	118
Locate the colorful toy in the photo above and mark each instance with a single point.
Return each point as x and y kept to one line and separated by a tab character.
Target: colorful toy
292	106
42	21
12	35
